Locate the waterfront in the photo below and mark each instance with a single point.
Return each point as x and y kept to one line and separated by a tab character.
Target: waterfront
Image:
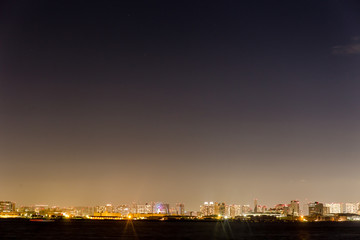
86	229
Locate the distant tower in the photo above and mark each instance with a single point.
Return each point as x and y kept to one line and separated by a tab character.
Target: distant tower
255	206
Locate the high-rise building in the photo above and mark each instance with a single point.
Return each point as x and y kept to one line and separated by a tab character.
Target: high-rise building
109	208
305	210
255	206
144	208
316	208
122	209
78	211
180	209
334	207
216	209
212	209
294	208
221	209
7	206
133	207
161	208
246	209
263	208
238	210
207	209
350	208
230	211
233	210
100	209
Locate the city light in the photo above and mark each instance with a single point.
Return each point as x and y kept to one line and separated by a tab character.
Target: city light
312	211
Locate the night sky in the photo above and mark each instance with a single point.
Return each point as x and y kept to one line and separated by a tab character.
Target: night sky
179	101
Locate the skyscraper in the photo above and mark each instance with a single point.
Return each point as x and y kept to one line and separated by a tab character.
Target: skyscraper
255	206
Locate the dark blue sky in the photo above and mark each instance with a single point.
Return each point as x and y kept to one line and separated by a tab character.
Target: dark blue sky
179	101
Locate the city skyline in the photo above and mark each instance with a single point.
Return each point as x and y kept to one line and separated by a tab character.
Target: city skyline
207	209
231	101
255	206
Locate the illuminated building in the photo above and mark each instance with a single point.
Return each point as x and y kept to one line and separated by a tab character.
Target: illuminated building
316	208
305	209
100	209
122	209
233	211
238	210
207	209
246	209
229	211
161	208
294	208
280	208
263	208
76	211
25	211
109	208
213	209
133	208
216	209
7	207
144	208
180	209
255	206
172	211
41	209
334	207
220	209
350	208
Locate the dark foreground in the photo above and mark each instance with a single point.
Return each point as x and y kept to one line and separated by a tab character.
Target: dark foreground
87	229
